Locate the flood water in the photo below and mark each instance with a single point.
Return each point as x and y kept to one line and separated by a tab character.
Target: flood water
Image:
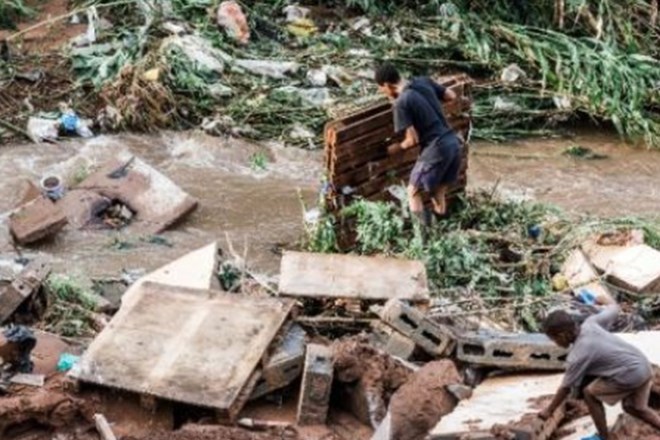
261	208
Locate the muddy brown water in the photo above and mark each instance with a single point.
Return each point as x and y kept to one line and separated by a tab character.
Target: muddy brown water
262	208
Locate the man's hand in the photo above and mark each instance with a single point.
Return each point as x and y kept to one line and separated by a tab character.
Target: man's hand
394	149
545	414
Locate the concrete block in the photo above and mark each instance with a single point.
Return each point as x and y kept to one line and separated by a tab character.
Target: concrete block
316	386
392	342
26	284
436	339
533	351
36	220
285	365
636	269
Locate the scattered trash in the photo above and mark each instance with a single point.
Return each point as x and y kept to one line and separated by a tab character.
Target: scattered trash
71	123
317	97
563	102
67	361
512	74
199	51
302	27
52	187
295	12
301	132
41	129
15	349
272	69
230	16
580	152
362	25
317	77
505	105
89	37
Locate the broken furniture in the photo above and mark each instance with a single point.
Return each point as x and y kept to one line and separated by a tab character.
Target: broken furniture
123	192
322	276
200	348
26	284
356	158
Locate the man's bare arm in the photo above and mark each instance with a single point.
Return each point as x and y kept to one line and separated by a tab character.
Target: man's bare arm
449	96
410	140
560	397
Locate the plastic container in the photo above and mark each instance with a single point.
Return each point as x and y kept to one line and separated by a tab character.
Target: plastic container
52	187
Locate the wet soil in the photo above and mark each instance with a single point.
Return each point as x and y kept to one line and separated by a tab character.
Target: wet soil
425	391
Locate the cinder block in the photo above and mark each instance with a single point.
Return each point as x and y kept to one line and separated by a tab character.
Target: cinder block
285	365
316	386
391	341
534	351
436	339
26	283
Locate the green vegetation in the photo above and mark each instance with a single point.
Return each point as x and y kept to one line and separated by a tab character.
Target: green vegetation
12	10
259	161
485	246
70	311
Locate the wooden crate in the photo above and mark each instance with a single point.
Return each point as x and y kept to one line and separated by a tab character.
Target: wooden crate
356	159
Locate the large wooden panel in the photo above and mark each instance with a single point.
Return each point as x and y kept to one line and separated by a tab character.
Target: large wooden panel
349	276
199	348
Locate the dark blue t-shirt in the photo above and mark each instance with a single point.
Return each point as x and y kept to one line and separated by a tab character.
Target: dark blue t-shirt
419	106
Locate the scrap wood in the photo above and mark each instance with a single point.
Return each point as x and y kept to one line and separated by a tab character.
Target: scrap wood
103	427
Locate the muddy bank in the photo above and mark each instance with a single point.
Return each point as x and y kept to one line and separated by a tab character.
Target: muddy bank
426	392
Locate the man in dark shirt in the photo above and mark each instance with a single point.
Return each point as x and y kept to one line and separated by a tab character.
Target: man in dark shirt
418	113
620	371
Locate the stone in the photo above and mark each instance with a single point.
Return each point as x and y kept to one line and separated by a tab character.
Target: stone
316	386
436	339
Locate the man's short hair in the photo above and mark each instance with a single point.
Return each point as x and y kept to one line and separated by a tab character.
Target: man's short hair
557	322
387	73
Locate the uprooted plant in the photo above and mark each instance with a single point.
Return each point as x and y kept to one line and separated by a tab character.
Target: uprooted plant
506	251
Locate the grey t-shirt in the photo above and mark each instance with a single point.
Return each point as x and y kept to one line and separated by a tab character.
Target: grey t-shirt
419	106
599	353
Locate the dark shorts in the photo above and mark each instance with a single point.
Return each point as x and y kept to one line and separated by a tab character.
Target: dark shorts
431	172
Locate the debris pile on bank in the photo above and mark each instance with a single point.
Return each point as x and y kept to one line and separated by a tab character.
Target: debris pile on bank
268	73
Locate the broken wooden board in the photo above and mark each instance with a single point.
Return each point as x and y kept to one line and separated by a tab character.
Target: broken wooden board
497	401
195	347
348	276
158	202
194	270
27	283
582	277
636	269
36	220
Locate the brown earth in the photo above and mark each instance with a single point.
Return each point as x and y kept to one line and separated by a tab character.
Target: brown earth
200	432
377	376
629	428
425	392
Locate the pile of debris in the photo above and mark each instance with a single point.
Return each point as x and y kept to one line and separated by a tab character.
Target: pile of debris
123	193
341	333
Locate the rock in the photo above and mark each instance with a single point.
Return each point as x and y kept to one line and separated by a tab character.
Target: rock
272	69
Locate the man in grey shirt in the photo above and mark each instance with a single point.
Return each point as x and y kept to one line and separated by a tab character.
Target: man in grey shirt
619	371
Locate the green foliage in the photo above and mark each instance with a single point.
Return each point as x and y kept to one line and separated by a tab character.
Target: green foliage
70	307
12	10
259	161
379	226
66	288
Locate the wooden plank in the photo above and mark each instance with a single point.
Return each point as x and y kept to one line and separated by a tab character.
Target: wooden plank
356	147
359	128
350	276
375	168
365	113
185	345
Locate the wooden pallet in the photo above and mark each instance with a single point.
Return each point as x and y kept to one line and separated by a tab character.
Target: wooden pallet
356	158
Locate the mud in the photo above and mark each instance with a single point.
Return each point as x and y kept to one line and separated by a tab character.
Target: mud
200	432
374	377
628	428
425	392
50	406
